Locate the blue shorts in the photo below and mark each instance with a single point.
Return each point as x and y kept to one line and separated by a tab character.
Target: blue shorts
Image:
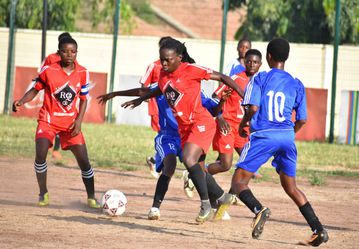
263	145
165	144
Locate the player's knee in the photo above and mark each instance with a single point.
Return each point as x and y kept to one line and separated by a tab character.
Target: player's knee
189	162
291	190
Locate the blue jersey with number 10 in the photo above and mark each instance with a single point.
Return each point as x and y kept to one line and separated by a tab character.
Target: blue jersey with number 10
277	94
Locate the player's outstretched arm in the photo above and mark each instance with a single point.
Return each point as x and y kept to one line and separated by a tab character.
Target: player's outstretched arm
28	96
102	99
136	102
228	81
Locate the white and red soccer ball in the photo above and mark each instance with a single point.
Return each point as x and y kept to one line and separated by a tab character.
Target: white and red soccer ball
114	202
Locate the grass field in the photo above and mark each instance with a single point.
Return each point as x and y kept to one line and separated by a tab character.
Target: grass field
126	147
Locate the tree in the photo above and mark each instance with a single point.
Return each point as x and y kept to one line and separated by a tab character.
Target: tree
298	21
62	14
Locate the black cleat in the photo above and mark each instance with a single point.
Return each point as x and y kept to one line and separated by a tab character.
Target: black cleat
318	238
259	221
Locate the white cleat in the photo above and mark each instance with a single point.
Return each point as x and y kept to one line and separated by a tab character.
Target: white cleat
188	185
152	167
154	214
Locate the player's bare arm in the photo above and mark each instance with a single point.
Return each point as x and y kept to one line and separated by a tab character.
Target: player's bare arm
228	81
136	102
102	99
76	126
28	96
250	110
299	124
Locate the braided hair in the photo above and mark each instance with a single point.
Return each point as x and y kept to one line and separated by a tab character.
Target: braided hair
179	48
67	40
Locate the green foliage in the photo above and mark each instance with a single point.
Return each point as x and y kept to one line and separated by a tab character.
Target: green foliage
349	19
317	179
104	11
127	146
298	21
143	10
62	14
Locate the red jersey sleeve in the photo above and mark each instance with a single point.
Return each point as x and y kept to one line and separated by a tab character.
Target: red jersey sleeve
147	78
220	89
85	85
41	79
200	73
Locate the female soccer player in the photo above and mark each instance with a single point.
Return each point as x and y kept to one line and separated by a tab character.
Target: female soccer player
64	83
167	141
270	99
180	83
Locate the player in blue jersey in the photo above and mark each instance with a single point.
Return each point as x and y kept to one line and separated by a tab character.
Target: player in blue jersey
270	99
237	65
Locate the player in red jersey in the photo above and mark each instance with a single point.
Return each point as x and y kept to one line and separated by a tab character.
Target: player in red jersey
180	83
51	59
227	137
64	82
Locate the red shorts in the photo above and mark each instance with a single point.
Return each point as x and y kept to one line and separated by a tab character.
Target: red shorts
225	143
44	130
200	133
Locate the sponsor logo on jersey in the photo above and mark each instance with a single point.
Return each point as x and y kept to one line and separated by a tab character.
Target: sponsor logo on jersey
65	95
173	95
201	128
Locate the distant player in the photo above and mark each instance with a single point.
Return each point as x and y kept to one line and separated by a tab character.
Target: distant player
238	65
180	83
63	82
270	99
227	139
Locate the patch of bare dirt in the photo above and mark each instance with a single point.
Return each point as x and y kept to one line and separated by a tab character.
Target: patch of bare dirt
68	223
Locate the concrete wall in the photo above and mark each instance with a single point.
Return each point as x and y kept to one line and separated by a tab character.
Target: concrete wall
312	63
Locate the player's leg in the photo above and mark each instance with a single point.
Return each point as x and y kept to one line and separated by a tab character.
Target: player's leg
319	233
240	187
224	164
169	166
80	153
56	149
40	165
191	155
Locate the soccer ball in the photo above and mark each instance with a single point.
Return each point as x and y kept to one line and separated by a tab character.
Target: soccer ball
114	202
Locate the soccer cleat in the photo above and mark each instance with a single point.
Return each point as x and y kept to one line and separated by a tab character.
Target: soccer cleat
154	214
44	200
150	162
259	221
223	206
188	185
226	216
318	238
204	215
92	203
237	202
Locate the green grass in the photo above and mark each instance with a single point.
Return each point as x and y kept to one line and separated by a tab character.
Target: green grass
126	147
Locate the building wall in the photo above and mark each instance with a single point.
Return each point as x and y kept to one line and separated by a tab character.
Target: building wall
312	63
